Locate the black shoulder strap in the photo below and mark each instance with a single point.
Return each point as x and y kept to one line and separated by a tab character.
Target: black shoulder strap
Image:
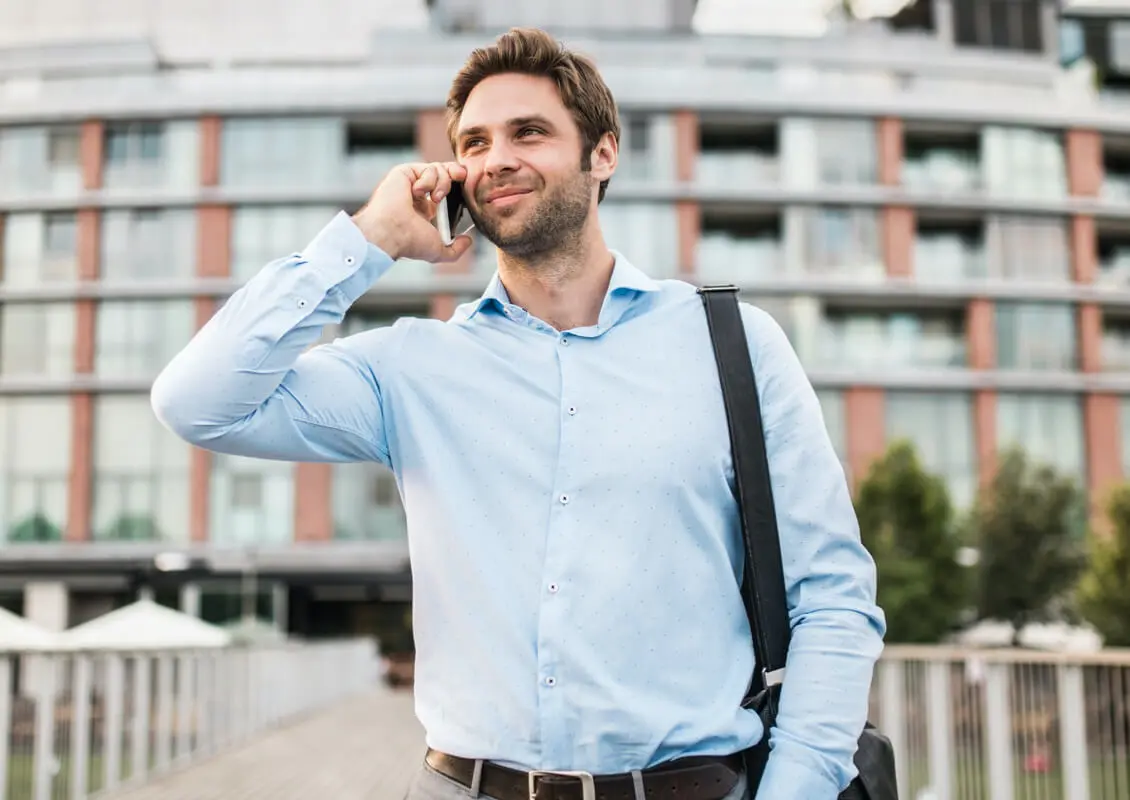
764	585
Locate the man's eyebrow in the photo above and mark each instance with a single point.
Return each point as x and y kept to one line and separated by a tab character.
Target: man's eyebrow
515	122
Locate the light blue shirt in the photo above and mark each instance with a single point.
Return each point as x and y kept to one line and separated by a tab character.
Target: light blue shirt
571	519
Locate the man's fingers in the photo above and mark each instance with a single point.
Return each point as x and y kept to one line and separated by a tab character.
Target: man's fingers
435	179
455	250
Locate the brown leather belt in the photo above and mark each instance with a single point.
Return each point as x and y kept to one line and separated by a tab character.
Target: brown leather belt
692	778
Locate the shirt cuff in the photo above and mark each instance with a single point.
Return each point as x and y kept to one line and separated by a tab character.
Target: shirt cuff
787	777
342	256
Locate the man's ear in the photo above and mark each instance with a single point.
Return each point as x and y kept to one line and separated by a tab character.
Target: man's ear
605	156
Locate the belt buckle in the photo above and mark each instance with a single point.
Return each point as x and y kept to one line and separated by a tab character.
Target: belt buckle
588	786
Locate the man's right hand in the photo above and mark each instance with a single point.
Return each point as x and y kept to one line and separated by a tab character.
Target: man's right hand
398	217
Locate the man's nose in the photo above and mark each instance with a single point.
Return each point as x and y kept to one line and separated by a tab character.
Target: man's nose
500	159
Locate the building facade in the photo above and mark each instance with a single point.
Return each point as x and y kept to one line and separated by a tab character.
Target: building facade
938	215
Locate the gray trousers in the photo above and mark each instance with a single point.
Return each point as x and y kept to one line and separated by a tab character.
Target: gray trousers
431	785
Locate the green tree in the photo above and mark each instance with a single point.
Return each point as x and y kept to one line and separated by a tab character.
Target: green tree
1104	592
906	522
1028	525
36	528
132	528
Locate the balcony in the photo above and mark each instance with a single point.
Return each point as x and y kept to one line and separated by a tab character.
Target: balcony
1116	343
735	153
1113	254
885	339
942	160
949	248
740	246
1116	169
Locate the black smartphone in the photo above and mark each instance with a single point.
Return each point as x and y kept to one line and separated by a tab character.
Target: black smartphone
450	213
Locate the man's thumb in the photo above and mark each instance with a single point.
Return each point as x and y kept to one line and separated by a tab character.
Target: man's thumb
455	250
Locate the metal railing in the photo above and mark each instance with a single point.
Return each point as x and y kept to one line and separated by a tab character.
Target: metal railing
75	724
1010	724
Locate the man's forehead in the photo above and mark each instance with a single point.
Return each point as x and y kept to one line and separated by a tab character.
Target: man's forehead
505	99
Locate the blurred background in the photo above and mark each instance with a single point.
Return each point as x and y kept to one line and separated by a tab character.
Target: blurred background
932	197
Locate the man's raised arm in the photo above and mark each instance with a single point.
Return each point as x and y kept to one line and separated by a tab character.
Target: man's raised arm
247	384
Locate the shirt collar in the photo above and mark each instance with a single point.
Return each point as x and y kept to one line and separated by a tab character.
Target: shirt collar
626	277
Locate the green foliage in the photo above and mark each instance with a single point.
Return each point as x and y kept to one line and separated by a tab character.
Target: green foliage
1027	525
36	528
906	521
1104	592
132	528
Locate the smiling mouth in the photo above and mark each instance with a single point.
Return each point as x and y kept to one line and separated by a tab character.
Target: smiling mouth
509	197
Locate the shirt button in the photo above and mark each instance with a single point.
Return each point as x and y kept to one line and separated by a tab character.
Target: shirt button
564	341
350	260
553	588
301	304
572	410
564	499
551	681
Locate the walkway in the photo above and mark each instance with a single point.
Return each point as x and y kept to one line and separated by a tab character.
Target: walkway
366	749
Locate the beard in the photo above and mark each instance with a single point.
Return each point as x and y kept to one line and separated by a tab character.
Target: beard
551	225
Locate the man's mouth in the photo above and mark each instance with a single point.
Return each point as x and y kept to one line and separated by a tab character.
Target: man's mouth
505	197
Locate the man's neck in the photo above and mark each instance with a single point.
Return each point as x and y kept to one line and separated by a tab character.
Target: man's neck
565	288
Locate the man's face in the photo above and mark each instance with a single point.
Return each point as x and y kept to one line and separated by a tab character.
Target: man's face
526	189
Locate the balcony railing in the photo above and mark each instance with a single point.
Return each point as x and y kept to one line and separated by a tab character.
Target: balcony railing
1000	724
76	724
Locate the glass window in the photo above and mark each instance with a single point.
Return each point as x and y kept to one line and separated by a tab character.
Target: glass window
880	338
39	248
835	420
148	244
948	255
739	248
141	473
38	160
940	425
312	152
1124	418
647	234
1049	427
738	153
647	148
1035	248
252	501
262	234
37	339
829	152
151	155
137	338
366	503
1023	162
1116	345
841	241
1036	336
35	455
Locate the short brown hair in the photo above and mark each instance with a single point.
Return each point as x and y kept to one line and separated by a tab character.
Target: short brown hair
530	51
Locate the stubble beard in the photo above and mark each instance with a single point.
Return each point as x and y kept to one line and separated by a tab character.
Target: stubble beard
554	225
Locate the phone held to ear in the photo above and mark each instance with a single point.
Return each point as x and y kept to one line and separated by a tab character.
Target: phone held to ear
450	213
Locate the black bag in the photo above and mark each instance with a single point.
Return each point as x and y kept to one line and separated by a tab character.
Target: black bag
763	588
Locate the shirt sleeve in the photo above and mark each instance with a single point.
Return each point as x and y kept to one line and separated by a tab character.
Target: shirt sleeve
830	581
250	382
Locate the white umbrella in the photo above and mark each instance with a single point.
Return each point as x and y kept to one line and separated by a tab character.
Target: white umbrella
17	633
145	625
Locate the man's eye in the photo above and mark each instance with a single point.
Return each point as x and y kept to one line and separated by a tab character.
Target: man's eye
528	131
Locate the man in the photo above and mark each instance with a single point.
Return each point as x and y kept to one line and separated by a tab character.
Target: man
562	452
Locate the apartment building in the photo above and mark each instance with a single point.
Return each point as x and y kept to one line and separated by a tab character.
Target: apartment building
935	208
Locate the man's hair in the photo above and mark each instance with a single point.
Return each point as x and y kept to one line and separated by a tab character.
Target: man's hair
530	51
